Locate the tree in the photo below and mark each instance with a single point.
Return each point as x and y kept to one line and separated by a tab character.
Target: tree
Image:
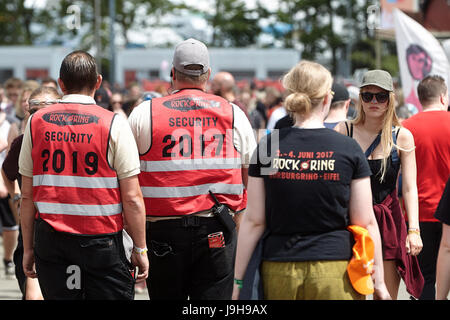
233	24
313	27
310	25
15	23
126	15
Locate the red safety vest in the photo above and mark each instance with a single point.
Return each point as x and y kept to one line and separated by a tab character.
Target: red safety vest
191	153
74	188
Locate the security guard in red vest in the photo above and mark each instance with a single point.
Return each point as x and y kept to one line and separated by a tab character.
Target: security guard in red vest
192	146
79	186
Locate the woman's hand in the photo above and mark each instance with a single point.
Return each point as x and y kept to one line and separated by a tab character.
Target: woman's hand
381	292
236	292
413	244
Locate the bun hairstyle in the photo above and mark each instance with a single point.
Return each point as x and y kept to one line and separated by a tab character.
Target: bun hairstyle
308	83
298	102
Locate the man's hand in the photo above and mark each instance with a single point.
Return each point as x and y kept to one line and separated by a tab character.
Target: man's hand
28	264
140	261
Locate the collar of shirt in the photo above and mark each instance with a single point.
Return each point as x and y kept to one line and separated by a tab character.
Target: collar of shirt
78	98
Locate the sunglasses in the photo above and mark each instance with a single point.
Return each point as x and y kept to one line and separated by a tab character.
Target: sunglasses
33	102
380	96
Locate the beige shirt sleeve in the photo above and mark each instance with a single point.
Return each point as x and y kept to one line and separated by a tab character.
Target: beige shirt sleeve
140	123
122	152
244	137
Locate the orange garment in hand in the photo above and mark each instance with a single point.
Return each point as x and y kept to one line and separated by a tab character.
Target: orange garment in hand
360	266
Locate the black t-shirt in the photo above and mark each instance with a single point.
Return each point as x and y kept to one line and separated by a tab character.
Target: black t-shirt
11	164
307	181
286	121
443	210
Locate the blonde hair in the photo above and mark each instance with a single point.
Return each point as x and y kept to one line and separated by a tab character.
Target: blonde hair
390	120
307	84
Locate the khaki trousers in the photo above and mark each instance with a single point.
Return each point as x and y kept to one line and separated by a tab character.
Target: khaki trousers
307	280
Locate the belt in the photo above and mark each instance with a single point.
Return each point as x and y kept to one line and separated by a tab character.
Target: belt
203	214
185	222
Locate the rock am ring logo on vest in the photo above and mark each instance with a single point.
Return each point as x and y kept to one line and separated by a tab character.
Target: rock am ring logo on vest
69	118
188	103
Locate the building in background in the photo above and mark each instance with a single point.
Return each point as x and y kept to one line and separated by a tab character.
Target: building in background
387	7
29	62
433	15
134	65
146	65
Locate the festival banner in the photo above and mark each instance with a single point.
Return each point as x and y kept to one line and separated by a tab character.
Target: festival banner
419	54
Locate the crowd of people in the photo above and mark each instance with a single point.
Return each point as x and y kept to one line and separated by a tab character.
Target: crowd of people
203	189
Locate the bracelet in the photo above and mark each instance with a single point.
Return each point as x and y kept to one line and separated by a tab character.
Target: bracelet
140	250
414	231
238	282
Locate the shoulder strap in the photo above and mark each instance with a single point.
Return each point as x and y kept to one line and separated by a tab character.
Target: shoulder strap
349	131
377	140
394	152
395	134
374	144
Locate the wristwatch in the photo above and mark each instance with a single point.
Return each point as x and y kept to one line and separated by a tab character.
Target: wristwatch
16	198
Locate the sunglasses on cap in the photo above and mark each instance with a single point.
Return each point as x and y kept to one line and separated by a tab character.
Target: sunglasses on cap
380	96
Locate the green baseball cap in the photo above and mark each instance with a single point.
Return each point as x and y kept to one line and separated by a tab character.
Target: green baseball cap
379	78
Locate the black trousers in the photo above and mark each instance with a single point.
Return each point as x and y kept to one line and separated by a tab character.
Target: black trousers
182	263
76	267
18	259
431	233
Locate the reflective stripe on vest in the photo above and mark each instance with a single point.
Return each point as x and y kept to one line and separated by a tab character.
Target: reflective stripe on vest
75	189
79	209
178	192
76	182
191	164
192	152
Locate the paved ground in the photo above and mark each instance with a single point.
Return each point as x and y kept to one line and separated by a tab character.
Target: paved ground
9	289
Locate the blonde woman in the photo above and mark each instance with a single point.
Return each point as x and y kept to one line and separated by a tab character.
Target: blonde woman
389	147
302	195
18	122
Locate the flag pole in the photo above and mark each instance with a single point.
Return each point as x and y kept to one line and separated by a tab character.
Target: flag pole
377	49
